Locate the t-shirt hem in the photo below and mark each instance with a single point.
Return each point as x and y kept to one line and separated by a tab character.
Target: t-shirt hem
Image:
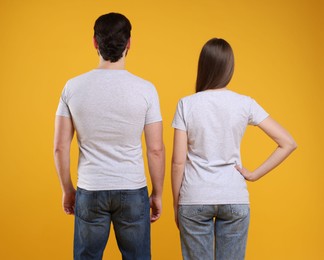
101	188
214	202
153	121
64	115
179	127
260	121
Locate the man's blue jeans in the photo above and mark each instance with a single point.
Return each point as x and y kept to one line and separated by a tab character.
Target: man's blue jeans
209	231
128	210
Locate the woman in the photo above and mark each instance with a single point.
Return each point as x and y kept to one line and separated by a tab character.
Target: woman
208	182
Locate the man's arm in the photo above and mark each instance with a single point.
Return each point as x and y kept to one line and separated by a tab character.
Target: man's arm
156	163
64	131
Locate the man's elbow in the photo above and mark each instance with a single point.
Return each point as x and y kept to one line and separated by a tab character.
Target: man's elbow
60	149
157	151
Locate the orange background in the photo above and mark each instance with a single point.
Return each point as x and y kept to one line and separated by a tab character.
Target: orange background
278	47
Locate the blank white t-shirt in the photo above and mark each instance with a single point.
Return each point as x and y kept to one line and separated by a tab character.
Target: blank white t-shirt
215	121
109	109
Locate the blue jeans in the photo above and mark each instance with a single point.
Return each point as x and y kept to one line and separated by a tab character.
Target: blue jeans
128	210
209	231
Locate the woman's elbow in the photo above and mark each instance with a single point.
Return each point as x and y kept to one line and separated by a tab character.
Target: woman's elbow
177	162
291	145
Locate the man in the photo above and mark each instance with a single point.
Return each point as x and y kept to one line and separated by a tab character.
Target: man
109	108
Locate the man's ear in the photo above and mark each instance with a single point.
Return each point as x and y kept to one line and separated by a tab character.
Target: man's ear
128	44
95	43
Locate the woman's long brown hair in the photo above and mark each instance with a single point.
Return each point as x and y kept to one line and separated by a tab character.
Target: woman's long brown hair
215	66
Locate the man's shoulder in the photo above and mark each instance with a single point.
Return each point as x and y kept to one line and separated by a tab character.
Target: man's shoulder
139	80
81	77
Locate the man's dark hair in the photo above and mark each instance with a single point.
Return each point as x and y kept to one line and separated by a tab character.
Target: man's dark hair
112	32
215	66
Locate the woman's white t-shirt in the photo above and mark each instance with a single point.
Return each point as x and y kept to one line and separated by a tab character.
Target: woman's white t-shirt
215	121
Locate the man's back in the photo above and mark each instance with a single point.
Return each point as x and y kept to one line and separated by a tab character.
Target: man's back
109	109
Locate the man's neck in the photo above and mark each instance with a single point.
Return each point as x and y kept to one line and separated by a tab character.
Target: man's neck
118	65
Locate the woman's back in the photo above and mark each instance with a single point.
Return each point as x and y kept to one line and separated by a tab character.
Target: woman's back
210	197
215	121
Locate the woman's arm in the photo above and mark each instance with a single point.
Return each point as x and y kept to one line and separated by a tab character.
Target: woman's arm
178	163
286	145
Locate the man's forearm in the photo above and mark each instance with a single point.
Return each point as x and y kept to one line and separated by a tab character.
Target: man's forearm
63	135
62	163
156	164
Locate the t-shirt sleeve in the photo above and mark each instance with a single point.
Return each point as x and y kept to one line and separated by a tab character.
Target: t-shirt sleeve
178	119
257	113
63	108
153	113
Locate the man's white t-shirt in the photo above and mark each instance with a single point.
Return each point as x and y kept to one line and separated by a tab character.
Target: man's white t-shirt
215	121
109	109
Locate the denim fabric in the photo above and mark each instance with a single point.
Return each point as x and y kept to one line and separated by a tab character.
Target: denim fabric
209	231
128	210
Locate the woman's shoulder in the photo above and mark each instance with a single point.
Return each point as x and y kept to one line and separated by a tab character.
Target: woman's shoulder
240	97
226	95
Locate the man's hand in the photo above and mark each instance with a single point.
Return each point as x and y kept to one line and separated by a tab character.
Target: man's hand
156	208
68	202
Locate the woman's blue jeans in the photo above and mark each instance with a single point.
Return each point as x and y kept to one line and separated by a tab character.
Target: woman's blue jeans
209	231
128	210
